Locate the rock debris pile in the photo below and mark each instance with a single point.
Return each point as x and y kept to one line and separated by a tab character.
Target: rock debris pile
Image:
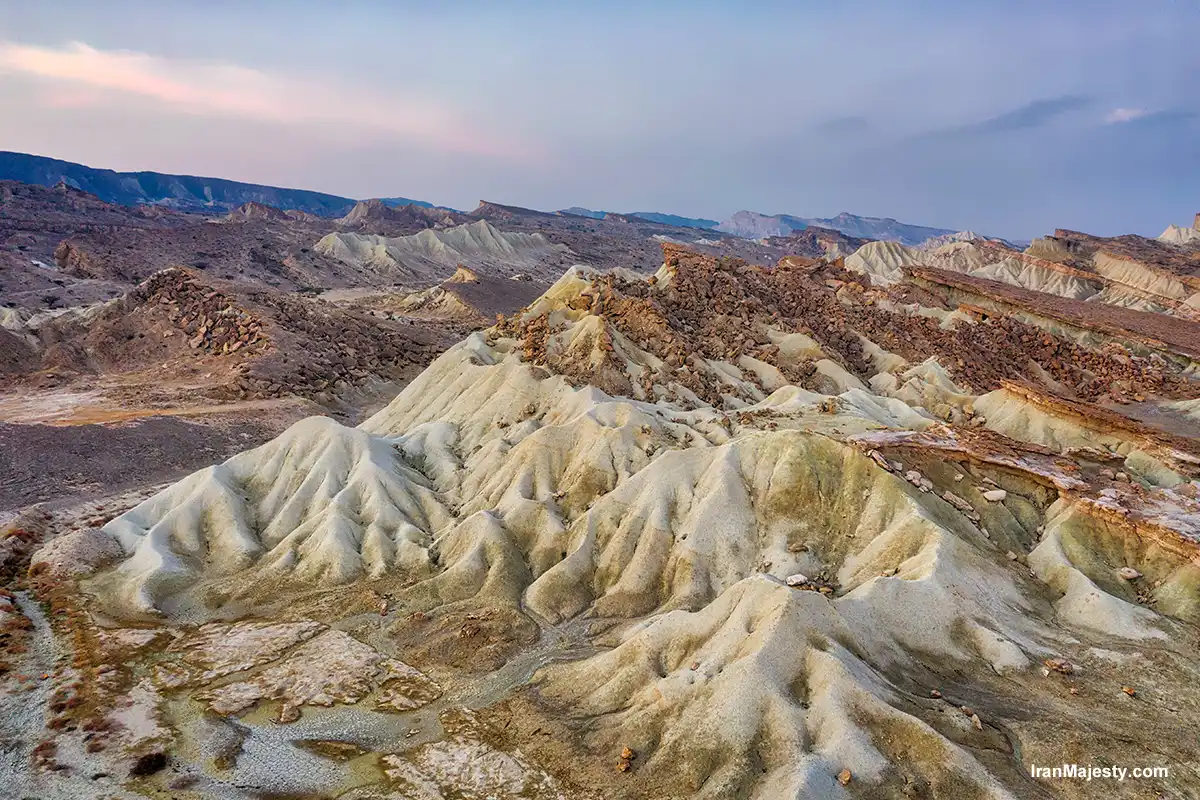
209	318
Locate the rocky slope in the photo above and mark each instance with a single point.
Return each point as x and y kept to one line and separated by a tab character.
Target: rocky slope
1125	271
817	242
722	531
35	219
182	369
628	240
259	245
380	217
99	250
254	245
467	297
250	344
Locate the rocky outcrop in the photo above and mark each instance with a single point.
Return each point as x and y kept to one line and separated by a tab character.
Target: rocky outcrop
1125	271
463	275
818	242
320	351
248	212
69	258
1174	234
252	344
376	216
16	354
498	212
1147	331
209	318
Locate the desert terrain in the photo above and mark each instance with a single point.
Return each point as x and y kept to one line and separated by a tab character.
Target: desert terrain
137	325
424	504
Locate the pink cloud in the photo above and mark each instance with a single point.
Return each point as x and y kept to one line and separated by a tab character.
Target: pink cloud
79	74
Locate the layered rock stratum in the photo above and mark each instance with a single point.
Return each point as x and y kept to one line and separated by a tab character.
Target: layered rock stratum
430	253
810	530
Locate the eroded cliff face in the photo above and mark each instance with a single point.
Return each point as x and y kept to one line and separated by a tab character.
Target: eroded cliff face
1110	274
726	531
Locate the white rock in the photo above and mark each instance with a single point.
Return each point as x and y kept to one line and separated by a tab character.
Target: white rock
78	553
1128	574
796	580
995	495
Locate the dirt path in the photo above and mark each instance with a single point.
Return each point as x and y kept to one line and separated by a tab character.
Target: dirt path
65	407
23	725
23	715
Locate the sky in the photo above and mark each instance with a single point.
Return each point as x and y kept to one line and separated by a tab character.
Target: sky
1007	118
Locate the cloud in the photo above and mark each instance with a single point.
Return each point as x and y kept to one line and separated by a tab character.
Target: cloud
841	126
1027	117
1119	115
80	75
1171	117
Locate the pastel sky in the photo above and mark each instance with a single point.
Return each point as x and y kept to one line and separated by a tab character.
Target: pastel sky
1009	118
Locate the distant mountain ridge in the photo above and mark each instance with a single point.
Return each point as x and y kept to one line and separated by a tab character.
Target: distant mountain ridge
752	225
182	192
673	220
580	211
400	202
220	196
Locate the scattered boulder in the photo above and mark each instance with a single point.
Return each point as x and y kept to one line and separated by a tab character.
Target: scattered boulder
76	554
958	502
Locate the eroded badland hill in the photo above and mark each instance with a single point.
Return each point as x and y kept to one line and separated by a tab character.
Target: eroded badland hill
487	513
